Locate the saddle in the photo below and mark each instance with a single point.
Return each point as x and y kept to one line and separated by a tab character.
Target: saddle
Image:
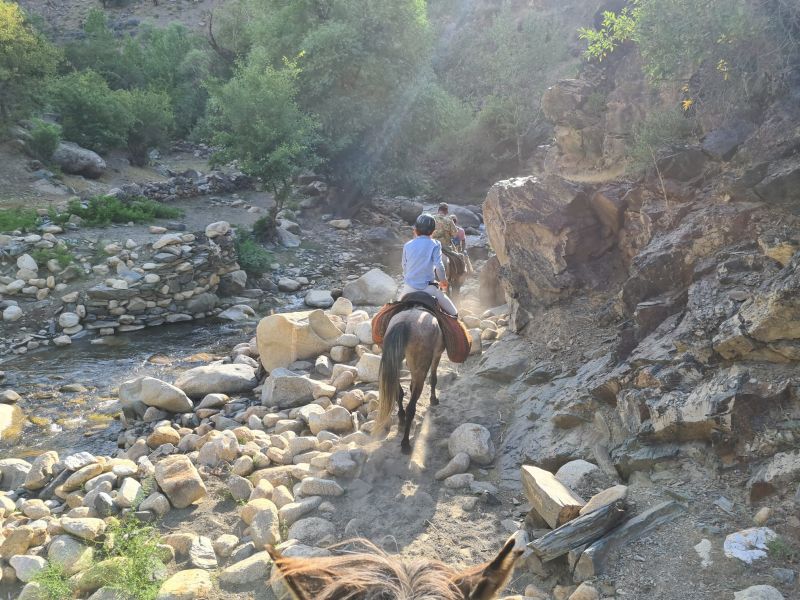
457	340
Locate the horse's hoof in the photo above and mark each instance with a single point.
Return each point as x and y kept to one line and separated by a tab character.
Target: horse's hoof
405	448
434	401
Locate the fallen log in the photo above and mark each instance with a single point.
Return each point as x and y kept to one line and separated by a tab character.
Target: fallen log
578	532
593	560
554	501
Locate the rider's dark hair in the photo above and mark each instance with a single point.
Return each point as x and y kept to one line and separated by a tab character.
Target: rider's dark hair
425	224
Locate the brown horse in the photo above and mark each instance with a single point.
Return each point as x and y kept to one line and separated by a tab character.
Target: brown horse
416	336
456	273
378	576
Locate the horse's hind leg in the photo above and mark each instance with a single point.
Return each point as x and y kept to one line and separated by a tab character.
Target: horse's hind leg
401	413
417	383
435	378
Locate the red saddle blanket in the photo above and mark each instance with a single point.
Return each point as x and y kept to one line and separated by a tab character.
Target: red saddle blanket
457	340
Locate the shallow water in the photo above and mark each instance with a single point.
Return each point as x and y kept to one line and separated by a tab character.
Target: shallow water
75	421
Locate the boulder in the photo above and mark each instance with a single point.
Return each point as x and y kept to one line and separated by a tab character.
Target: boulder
577	473
73	159
41	471
318	299
286	389
374	288
12	313
780	471
369	368
758	592
474	440
342	307
217	378
68	319
179	480
13	471
255	568
217	229
238	312
233	283
287	239
69	554
312	531
86	528
26	262
202	303
335	420
11	419
284	338
26	567
265	526
466	217
190	584
149	391
540	229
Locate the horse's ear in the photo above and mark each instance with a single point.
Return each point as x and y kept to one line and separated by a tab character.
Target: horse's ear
291	583
484	583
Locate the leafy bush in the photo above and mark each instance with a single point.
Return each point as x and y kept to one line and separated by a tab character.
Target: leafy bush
17	218
615	30
263	229
27	59
92	115
102	210
45	138
136	544
152	122
253	257
659	131
677	37
53	583
61	254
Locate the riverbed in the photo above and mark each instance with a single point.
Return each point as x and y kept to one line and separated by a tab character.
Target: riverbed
56	418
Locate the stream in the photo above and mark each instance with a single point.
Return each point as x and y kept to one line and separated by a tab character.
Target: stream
71	421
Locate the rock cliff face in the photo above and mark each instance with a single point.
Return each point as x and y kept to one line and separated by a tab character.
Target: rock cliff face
693	273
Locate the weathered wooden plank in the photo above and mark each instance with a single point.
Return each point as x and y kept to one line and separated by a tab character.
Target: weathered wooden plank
554	501
593	560
578	532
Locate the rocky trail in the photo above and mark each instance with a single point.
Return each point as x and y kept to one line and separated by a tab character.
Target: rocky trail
631	405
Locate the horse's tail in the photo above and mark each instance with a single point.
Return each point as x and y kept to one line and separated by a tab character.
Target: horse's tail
394	350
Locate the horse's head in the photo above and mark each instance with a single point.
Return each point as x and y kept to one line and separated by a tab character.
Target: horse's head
377	576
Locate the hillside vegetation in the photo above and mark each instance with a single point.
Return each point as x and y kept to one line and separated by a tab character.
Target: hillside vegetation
400	97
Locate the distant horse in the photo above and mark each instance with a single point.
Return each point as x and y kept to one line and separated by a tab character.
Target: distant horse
377	576
416	336
456	272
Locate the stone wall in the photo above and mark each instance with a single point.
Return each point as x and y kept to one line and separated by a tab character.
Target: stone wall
178	277
187	184
175	280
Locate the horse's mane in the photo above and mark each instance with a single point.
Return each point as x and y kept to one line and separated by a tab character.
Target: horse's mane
372	575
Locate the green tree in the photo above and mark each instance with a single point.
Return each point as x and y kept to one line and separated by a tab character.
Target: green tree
172	60
152	122
92	115
365	75
498	65
257	122
27	60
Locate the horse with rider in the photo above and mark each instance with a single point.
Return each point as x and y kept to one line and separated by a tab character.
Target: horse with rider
424	322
